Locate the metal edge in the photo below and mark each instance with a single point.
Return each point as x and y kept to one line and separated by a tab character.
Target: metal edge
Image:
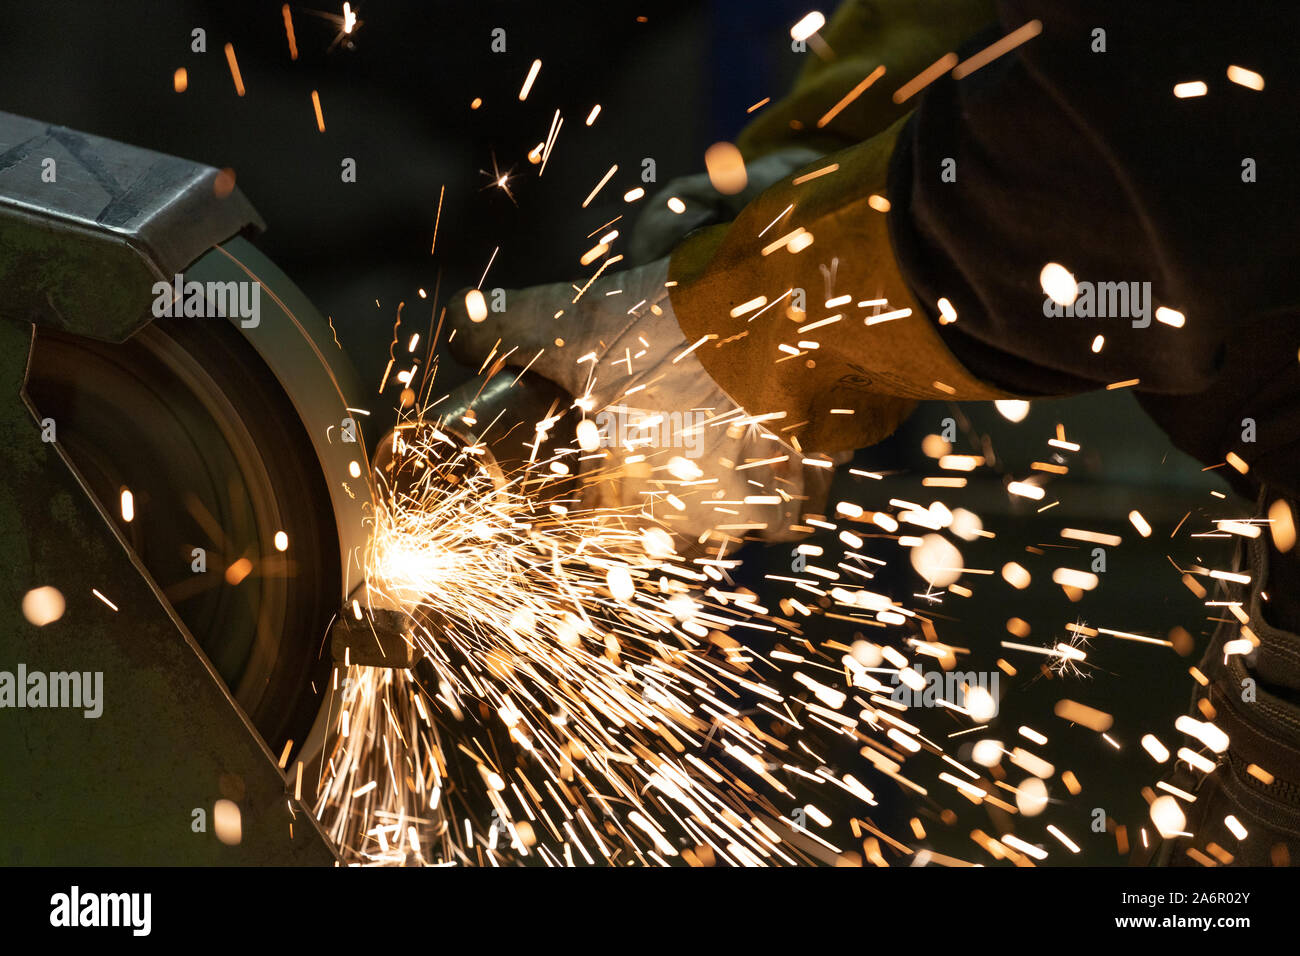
298	346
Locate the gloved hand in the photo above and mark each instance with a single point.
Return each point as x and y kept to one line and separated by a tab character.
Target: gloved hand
675	447
658	229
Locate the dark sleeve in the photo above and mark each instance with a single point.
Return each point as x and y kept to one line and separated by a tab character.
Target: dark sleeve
1067	153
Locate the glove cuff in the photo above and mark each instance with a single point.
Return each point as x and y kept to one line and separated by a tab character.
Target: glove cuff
873	360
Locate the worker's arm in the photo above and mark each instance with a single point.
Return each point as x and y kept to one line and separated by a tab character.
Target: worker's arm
1072	148
1066	153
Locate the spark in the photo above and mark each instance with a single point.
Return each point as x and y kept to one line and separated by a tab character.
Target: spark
850	96
348	25
98	594
530	79
288	32
1190	89
815	174
994	50
600	185
1171	317
234	69
496	179
808	25
927	76
1244	77
726	168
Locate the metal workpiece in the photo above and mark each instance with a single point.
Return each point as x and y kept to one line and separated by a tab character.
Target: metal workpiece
88	225
379	638
499	418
